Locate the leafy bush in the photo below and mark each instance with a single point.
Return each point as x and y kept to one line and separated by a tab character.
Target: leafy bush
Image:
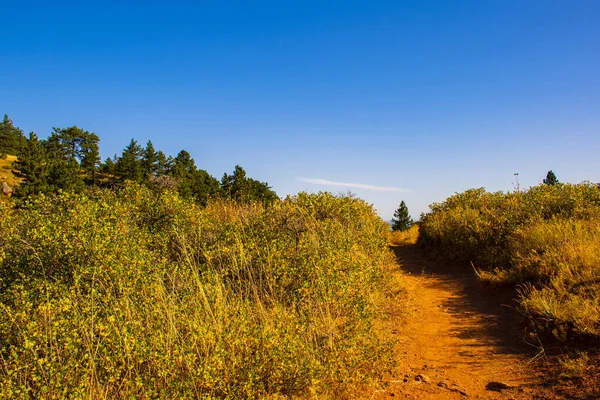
143	295
547	237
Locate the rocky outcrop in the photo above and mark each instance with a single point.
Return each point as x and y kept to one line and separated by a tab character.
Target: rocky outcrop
7	189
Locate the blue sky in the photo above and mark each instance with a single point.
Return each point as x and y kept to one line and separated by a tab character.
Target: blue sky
430	97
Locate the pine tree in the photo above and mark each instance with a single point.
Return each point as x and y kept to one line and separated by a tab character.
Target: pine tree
129	165
402	220
205	187
149	160
163	164
76	143
550	179
108	169
32	166
90	159
261	191
64	174
184	170
12	139
242	189
226	183
71	151
239	185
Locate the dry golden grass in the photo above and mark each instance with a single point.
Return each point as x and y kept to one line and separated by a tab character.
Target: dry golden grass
139	294
403	238
545	240
6	174
574	365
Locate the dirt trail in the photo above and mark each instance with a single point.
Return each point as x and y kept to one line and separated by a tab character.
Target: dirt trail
464	343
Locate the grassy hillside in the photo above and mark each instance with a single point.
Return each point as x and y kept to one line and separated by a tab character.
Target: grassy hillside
546	240
139	294
6	174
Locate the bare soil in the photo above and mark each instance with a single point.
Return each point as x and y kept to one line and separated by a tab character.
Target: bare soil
457	342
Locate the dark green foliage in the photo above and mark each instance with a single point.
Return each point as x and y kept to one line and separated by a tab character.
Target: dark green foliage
129	165
550	179
72	154
192	182
63	174
149	160
12	139
32	166
60	163
109	170
90	161
402	220
183	165
69	160
163	164
241	189
234	186
74	142
261	191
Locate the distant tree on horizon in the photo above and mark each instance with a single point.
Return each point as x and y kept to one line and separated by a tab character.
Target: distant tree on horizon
551	179
402	220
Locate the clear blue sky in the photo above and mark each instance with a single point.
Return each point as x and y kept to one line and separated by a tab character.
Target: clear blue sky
429	96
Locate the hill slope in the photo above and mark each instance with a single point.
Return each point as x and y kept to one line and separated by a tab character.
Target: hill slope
6	174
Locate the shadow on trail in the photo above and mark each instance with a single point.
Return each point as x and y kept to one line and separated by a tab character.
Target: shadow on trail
488	317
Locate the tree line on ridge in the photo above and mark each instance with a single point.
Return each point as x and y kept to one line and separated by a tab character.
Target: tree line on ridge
69	160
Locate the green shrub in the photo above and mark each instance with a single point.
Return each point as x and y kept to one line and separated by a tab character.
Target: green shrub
547	237
143	295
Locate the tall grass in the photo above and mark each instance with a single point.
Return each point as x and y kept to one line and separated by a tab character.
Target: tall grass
403	238
6	176
145	295
546	239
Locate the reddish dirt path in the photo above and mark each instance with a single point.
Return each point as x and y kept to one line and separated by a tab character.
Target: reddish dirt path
456	342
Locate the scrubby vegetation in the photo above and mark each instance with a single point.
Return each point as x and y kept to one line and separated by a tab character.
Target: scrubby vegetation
546	240
143	294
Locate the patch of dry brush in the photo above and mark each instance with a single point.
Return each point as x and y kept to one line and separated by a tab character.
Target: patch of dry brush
144	295
545	240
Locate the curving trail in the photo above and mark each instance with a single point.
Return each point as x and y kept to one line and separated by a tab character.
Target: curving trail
455	342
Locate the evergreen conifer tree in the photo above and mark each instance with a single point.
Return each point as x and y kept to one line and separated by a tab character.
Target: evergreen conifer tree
239	185
242	189
90	159
184	170
205	187
32	166
129	165
108	169
550	179
402	220
72	151
149	160
163	164
12	139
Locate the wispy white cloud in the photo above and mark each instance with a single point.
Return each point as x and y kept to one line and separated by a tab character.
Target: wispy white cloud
353	185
